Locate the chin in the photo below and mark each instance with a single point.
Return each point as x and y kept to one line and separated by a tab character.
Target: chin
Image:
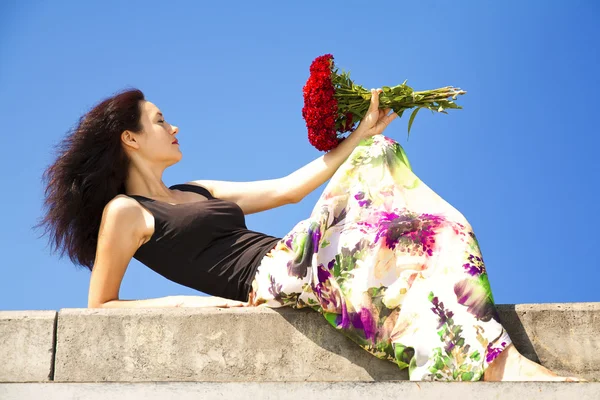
176	159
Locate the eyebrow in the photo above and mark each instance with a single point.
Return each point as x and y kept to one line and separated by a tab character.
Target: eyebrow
159	113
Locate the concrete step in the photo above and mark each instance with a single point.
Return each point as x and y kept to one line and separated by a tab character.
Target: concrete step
301	390
252	345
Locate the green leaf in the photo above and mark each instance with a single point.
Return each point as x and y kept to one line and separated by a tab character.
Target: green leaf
330	317
439	364
336	266
412	118
401	154
467	376
398	110
386	89
401	355
447	361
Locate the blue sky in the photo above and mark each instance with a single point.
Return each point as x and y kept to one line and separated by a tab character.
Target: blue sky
519	160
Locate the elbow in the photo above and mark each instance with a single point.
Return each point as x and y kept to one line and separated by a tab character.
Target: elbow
94	305
97	304
290	197
288	192
292	200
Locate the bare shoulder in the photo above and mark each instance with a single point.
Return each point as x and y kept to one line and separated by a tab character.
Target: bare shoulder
124	213
121	205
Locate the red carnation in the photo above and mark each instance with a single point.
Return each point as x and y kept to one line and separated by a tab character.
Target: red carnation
333	103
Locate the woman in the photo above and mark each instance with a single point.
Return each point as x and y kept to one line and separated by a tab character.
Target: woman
382	257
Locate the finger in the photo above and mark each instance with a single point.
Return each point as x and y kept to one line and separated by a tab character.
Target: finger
372	96
390	117
385	112
374	100
385	121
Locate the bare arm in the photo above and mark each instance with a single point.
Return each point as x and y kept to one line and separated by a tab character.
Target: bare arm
258	196
119	237
251	197
169	301
306	179
178	301
303	181
263	195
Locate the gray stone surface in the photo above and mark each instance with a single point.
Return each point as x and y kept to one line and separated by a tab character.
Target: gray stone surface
564	337
253	344
26	345
209	344
302	390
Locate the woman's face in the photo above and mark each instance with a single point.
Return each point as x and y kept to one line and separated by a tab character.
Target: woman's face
155	143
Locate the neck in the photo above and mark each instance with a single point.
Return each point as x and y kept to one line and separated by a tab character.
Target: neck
146	182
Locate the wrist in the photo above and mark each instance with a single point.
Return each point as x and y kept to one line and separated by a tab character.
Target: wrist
356	136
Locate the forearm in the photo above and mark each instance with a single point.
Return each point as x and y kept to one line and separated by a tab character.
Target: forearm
309	177
169	301
172	301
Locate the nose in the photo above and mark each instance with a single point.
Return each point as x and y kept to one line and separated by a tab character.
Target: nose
175	130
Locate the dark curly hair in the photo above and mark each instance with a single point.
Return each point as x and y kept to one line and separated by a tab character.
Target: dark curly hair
89	171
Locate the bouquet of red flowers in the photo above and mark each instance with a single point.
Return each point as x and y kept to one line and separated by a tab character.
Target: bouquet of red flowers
333	103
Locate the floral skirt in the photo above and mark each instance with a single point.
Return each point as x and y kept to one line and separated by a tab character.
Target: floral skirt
392	266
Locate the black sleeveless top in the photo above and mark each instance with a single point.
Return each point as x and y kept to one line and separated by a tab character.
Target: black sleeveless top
204	245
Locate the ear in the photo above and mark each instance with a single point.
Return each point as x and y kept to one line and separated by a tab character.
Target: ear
130	139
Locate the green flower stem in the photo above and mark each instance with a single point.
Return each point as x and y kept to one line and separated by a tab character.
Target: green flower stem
356	99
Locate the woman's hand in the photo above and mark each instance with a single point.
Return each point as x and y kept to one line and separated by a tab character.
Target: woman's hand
206	301
375	120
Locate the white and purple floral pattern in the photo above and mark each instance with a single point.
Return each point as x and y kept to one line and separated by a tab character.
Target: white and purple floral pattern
392	266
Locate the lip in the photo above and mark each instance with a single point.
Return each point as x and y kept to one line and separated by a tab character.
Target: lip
176	142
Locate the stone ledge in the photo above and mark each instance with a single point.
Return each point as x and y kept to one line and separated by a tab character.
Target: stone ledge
263	344
561	336
301	390
26	345
202	344
252	344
